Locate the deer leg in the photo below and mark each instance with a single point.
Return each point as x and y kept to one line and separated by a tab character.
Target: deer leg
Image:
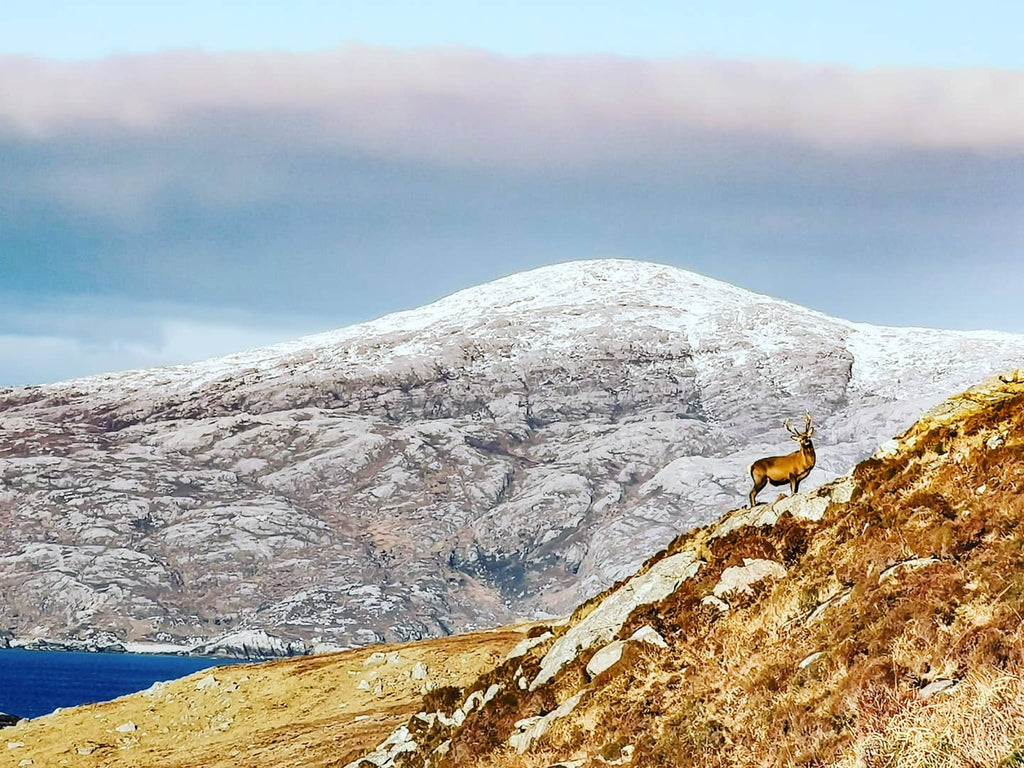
759	483
794	485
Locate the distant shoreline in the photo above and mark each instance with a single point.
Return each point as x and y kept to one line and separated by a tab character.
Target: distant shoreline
128	649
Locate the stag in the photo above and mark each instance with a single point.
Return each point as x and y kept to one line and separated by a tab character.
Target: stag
791	468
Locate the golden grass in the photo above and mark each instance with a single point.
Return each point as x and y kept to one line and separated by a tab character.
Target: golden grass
979	723
307	711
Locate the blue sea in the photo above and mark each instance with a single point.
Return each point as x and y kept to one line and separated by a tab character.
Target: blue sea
34	683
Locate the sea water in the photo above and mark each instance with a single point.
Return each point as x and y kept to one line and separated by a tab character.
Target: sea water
34	683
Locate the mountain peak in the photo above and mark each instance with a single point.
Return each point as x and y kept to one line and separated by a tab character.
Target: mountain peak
555	305
504	451
614	284
579	281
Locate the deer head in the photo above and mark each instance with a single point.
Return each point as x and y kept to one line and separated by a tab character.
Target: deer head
804	438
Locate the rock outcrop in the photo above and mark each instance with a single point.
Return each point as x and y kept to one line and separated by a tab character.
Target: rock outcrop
249	644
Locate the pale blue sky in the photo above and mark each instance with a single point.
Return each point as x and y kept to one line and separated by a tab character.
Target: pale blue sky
166	207
864	33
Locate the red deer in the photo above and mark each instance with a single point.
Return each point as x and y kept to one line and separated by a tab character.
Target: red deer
791	468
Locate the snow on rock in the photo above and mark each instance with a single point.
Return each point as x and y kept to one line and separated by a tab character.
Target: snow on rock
249	644
501	453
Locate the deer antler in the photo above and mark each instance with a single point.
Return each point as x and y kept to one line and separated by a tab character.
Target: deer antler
808	428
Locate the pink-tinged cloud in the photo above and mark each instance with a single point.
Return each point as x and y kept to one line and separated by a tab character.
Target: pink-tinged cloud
456	105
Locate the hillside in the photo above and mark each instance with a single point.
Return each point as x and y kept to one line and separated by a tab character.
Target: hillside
317	710
874	621
504	452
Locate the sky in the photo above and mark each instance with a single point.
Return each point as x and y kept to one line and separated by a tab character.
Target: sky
864	33
190	179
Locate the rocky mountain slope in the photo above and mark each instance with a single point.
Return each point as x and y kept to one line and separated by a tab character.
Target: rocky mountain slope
874	621
503	452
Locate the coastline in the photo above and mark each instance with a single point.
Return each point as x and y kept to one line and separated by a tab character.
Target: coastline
241	645
37	682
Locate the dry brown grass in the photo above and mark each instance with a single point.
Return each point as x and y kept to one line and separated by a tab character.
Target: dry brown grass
979	723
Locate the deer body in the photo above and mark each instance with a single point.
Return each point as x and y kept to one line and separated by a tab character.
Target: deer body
791	468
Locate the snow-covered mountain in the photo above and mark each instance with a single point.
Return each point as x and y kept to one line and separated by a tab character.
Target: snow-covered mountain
502	452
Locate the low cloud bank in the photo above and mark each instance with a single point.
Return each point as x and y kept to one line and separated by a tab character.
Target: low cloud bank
365	180
48	344
459	105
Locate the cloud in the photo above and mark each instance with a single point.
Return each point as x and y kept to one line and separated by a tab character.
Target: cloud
52	342
468	106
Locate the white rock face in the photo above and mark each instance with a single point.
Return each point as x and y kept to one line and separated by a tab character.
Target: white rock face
740	578
942	685
501	453
398	743
249	644
810	505
714	602
602	623
610	654
207	683
532	728
526	644
605	658
479	699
